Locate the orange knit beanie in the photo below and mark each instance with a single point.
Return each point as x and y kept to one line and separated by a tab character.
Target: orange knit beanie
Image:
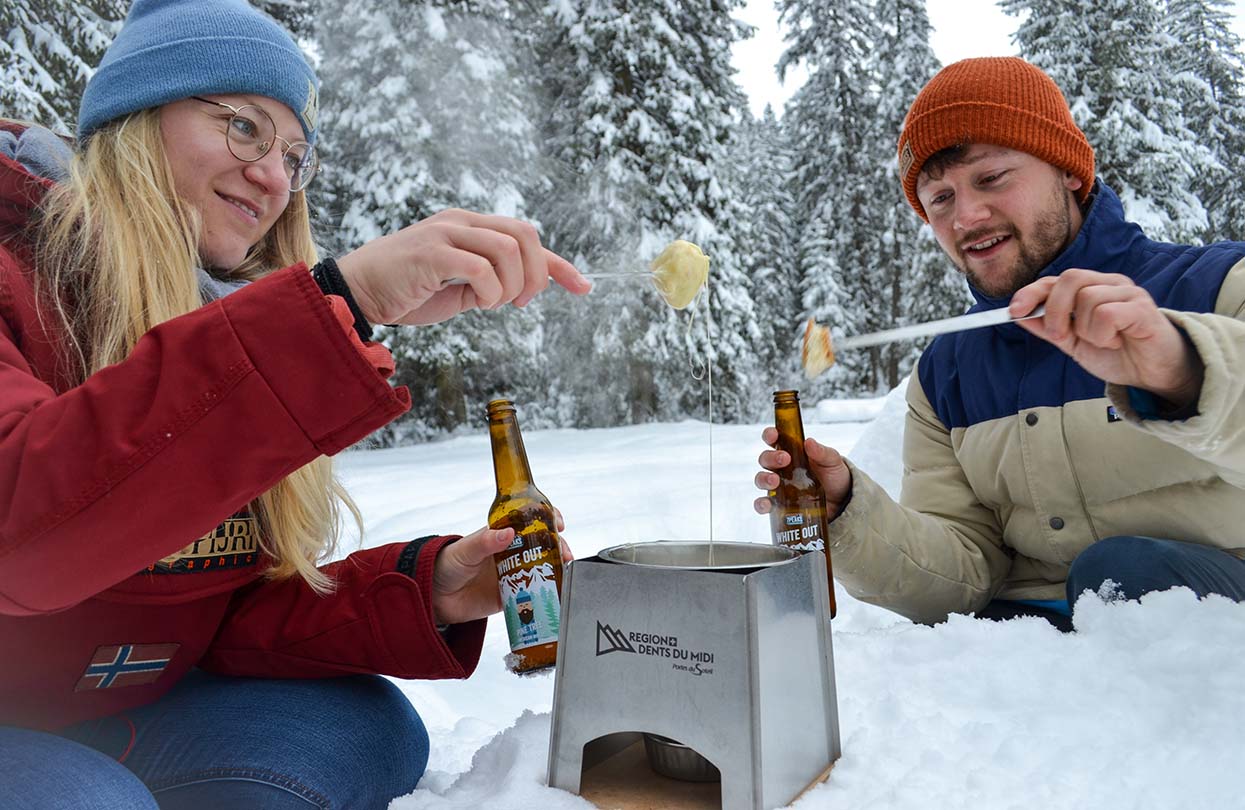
1000	100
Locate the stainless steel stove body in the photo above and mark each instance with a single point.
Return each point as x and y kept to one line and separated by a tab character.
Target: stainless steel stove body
733	659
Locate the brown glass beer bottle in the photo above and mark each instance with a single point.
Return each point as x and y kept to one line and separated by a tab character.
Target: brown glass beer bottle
529	571
798	517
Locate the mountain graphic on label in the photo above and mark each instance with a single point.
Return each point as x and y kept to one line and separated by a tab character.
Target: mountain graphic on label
541	576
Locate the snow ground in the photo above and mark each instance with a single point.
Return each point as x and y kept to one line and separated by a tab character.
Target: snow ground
1141	708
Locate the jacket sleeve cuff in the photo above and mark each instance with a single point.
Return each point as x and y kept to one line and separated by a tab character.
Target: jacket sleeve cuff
455	652
845	531
329	278
335	405
1147	406
1216	433
374	353
1213	338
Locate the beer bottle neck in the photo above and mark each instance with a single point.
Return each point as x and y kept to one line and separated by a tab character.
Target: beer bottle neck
790	427
509	458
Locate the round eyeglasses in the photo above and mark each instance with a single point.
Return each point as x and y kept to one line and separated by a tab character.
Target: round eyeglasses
250	135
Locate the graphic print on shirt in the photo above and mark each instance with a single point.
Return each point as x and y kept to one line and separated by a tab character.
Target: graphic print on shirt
232	544
117	665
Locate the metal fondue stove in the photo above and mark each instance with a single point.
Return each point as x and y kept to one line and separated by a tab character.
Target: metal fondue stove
731	658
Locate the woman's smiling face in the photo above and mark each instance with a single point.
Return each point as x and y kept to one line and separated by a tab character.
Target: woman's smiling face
238	202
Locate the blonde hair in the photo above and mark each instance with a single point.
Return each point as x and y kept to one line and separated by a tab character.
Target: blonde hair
117	253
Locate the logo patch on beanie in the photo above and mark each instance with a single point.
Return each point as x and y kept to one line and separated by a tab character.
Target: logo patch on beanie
311	110
905	159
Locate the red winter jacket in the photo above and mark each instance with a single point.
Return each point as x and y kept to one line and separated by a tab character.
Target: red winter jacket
126	553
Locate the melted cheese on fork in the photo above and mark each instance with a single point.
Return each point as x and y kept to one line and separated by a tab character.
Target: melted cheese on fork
679	272
818	353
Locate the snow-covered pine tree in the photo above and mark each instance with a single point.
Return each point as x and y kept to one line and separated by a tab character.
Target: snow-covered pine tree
838	210
424	108
1207	56
296	16
638	100
1109	58
48	50
921	282
760	176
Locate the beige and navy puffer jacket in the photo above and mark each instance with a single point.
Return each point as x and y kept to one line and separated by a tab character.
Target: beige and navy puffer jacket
1016	459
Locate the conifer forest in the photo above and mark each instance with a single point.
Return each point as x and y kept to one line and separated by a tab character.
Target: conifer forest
618	125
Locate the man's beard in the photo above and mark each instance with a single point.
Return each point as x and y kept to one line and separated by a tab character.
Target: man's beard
1052	231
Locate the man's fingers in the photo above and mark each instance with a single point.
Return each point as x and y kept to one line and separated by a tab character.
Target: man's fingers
774	459
1028	298
1103	313
821	454
770	435
766	480
763	506
1068	290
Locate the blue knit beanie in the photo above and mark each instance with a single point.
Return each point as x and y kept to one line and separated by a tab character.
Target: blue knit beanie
172	49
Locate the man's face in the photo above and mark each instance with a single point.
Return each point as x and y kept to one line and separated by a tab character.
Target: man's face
1001	215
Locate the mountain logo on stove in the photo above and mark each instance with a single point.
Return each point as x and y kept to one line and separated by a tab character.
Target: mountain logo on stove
610	640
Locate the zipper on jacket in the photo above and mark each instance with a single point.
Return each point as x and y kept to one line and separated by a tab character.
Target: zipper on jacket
1076	477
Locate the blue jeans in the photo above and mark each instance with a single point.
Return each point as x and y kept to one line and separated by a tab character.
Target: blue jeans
1136	566
217	742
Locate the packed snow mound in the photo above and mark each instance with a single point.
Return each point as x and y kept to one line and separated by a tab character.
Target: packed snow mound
879	450
1140	708
508	772
844	409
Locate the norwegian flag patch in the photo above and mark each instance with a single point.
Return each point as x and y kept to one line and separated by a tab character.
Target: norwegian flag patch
117	665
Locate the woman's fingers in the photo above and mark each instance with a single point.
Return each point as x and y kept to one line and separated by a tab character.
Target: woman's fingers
563	272
537	263
477	547
492	264
453	261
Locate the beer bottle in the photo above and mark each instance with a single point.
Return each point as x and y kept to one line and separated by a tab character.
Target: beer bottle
798	517
529	571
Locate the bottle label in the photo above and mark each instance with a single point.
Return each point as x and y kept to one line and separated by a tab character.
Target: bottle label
804	534
529	598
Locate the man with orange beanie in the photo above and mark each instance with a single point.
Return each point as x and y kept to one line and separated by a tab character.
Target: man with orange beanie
1099	447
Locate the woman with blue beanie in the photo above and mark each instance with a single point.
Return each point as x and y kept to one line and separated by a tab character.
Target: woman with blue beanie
176	369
